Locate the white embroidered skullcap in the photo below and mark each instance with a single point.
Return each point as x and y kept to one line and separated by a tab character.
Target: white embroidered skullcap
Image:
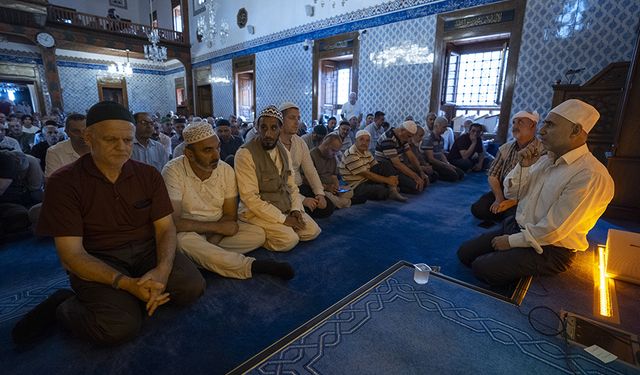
578	112
535	117
197	132
410	126
360	133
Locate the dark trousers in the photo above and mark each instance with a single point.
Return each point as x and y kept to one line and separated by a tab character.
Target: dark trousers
447	174
318	212
14	218
482	209
406	183
503	267
107	316
370	190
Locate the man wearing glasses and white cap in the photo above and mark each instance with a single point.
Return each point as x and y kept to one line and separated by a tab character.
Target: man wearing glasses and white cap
560	198
493	206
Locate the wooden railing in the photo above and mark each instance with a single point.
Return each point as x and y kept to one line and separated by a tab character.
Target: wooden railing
67	16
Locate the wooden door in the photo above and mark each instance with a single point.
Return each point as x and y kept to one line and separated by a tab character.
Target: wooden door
205	101
245	95
328	87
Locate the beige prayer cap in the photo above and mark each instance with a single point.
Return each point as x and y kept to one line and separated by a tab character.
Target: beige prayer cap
360	133
533	116
578	112
197	132
410	126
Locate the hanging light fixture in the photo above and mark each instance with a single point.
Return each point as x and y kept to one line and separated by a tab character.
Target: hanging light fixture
154	52
121	70
208	28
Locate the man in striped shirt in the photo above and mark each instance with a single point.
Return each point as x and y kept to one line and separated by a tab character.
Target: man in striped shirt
392	144
367	178
493	206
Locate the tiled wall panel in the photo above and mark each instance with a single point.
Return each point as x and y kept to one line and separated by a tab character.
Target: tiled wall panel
559	35
222	89
284	74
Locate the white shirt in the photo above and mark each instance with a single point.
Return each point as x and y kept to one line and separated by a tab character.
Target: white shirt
300	157
200	200
349	110
166	142
375	132
559	202
449	138
31	130
251	204
59	155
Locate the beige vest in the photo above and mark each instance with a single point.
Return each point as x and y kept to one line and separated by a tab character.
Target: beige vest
273	186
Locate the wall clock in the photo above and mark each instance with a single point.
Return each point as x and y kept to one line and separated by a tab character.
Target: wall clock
46	40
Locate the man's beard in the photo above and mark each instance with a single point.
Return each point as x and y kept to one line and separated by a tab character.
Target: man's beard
267	146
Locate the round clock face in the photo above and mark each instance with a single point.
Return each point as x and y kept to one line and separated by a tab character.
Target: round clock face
242	18
46	40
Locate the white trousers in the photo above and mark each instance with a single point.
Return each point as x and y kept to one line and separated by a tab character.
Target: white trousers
283	238
226	258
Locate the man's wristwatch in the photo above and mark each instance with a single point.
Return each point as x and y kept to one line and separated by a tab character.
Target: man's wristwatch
116	281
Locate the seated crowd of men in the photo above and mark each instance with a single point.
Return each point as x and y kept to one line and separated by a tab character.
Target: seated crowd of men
118	206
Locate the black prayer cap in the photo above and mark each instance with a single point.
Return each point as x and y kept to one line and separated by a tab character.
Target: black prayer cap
108	110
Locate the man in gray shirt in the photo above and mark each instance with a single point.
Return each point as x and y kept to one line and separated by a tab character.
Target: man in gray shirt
145	149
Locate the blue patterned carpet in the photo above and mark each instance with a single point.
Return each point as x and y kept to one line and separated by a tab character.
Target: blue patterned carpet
236	319
400	327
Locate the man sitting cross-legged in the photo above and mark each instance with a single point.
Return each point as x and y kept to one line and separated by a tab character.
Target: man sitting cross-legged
367	178
562	195
324	159
493	206
393	145
268	193
204	195
111	220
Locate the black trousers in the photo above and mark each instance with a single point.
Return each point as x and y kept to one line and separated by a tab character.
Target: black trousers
447	174
482	209
107	316
386	168
503	267
318	212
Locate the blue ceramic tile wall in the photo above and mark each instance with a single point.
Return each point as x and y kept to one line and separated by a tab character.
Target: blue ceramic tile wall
222	92
284	74
79	88
570	34
170	83
396	65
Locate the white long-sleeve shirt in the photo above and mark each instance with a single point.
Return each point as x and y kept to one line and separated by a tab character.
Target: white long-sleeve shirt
561	200
251	204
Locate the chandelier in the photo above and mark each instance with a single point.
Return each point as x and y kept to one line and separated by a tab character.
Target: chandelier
208	28
154	52
119	69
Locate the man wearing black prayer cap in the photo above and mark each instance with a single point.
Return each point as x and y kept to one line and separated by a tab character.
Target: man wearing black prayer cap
111	220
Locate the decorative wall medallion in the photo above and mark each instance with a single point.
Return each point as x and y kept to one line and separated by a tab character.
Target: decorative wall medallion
242	18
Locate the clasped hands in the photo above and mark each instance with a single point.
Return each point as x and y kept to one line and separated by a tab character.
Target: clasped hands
295	220
149	288
313	203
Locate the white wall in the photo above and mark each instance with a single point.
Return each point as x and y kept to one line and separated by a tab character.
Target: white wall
268	17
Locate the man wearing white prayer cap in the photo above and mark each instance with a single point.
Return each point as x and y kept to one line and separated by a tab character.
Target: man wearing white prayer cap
494	206
204	195
394	144
560	197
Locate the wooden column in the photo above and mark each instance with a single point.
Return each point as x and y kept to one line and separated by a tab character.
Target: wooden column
188	82
52	77
624	166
